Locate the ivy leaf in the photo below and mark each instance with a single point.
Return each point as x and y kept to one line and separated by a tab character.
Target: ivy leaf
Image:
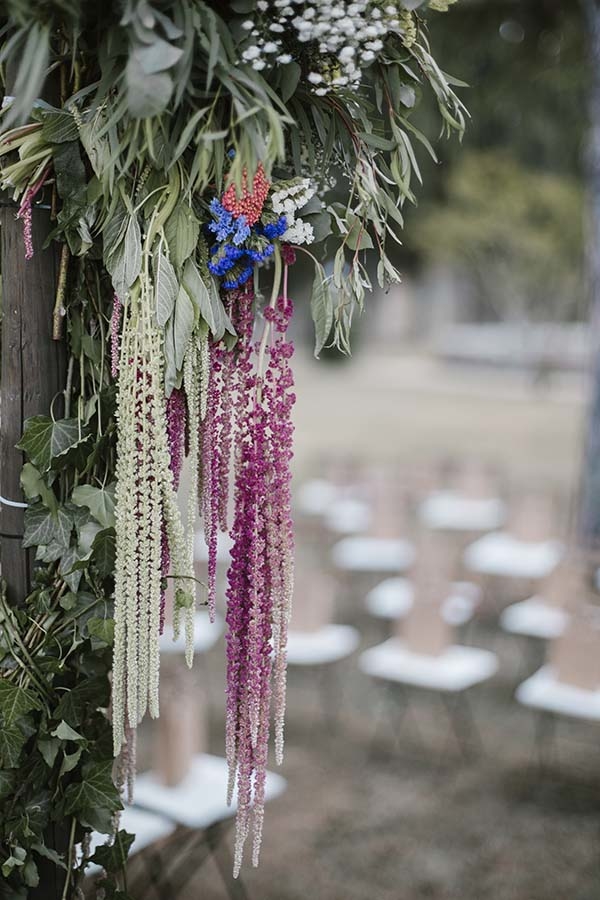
64	732
48	748
69	574
181	232
104	551
34	486
45	440
166	287
112	857
94	693
99	501
8	780
102	632
12	740
183	325
15	701
321	309
45	527
49	853
95	799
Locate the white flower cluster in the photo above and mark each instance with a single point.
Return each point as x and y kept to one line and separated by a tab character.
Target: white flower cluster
287	200
348	35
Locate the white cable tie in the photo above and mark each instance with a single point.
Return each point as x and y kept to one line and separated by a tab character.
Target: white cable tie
16	503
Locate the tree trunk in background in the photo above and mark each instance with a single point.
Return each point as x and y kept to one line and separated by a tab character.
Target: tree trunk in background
589	520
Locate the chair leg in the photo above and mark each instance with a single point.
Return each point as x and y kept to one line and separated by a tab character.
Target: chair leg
218	845
463	724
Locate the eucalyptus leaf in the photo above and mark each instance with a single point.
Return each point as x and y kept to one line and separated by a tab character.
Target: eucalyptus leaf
321	308
183	325
166	287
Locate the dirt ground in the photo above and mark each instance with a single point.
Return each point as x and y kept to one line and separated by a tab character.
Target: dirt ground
398	813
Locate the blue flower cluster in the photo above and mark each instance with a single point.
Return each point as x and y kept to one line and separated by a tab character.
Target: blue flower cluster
228	256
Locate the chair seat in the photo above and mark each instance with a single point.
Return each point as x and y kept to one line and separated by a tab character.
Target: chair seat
315	497
148	828
326	645
456	669
534	618
199	800
348	516
373	554
504	555
224	545
206	635
393	599
452	511
543	691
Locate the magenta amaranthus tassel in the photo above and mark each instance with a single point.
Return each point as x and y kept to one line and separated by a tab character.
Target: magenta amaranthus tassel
24	213
115	348
260	575
176	425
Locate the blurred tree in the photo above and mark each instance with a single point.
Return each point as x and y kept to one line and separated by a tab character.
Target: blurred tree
590	481
515	231
508	213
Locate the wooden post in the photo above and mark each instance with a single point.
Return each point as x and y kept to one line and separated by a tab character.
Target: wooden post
32	373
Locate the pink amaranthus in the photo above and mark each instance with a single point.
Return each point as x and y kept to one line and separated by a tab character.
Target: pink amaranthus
256	410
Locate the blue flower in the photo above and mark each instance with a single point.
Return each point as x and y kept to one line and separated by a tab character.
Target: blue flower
275	229
232	283
224	224
259	255
242	230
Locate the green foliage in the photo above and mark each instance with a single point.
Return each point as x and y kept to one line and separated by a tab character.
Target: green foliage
505	225
153	111
55	648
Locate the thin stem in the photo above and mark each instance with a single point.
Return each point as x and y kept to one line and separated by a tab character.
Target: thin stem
274	293
65	892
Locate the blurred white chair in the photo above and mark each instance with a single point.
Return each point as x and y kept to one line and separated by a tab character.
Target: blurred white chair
502	555
198	802
315	497
534	618
315	653
373	555
544	691
449	510
224	545
449	674
393	598
206	635
326	645
348	515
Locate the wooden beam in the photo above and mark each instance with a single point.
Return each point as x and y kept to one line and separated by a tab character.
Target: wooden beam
32	373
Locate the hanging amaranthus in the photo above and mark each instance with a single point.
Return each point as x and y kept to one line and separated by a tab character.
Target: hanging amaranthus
178	167
146	516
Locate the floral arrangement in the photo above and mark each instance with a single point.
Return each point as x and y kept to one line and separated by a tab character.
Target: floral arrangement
188	155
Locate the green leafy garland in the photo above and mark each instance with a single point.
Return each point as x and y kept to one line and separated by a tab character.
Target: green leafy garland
162	111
